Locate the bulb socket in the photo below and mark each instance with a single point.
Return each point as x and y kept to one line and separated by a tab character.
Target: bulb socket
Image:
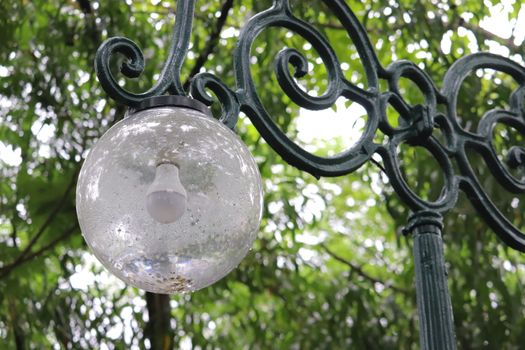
172	101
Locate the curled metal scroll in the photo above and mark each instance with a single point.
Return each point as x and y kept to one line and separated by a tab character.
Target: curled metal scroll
169	80
418	121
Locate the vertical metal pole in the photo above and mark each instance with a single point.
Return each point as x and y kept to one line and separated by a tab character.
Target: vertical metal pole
433	299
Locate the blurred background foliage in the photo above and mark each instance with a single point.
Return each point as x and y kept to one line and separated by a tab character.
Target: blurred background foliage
330	268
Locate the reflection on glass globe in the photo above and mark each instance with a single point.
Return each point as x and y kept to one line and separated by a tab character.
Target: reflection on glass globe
169	200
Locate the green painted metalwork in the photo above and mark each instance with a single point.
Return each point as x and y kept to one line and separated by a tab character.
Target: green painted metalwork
433	299
417	128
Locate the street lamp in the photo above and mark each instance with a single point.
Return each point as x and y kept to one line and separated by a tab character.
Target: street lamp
416	128
169	199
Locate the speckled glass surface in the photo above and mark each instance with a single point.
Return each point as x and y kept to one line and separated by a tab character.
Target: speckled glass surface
223	208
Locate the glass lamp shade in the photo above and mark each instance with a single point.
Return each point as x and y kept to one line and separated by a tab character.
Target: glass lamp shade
169	200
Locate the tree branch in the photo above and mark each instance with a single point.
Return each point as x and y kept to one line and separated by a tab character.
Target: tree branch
18	332
211	42
7	269
478	31
85	6
359	270
474	28
51	216
379	165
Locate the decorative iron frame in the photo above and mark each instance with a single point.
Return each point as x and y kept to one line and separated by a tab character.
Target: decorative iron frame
417	126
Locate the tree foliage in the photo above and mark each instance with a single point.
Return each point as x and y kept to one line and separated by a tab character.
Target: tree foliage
330	267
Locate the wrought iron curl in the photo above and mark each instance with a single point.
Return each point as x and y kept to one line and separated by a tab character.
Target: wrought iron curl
169	80
418	122
226	97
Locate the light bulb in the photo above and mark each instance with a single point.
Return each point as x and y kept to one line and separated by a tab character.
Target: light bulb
166	197
169	199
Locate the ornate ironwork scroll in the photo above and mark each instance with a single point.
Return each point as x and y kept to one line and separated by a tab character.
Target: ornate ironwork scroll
418	127
419	121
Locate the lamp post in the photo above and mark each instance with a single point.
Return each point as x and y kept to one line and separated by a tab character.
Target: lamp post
417	126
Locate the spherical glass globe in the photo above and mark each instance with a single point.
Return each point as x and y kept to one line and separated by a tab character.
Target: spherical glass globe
169	200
